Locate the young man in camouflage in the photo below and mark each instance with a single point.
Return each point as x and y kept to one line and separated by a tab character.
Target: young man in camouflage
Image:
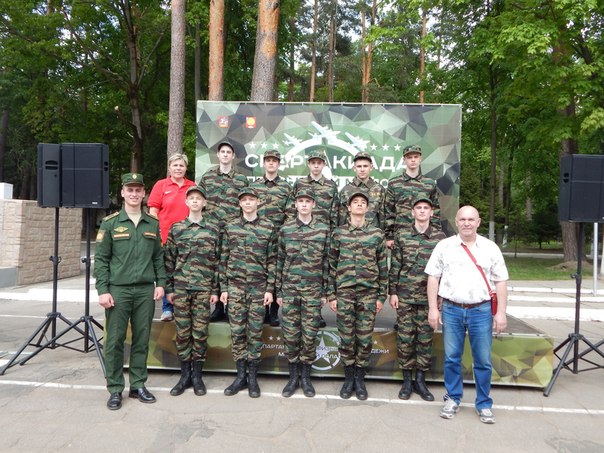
192	254
403	190
222	185
274	192
301	289
325	190
247	282
413	246
358	280
363	166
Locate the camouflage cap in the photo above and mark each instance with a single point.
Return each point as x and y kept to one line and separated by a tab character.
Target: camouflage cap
412	149
197	188
272	153
358	193
224	142
362	155
129	179
423	199
316	154
305	192
248	191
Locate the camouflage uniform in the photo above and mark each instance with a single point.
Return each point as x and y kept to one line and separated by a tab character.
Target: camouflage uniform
402	191
192	254
222	192
247	271
375	191
358	278
326	193
274	198
301	282
408	281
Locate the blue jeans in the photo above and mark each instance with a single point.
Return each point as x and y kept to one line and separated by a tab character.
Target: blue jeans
478	322
166	306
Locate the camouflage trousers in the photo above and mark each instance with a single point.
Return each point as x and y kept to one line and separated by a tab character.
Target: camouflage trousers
246	317
414	338
355	321
192	318
300	326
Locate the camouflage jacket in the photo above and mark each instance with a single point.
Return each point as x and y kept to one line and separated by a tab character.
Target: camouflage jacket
410	255
222	191
402	191
192	255
248	256
326	193
375	191
301	264
274	198
357	261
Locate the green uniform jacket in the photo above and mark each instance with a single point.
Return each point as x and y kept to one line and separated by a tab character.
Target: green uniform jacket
402	191
248	256
126	254
192	255
376	193
274	198
301	264
222	192
358	261
410	255
326	194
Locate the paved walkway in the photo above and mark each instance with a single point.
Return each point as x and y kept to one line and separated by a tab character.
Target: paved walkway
56	402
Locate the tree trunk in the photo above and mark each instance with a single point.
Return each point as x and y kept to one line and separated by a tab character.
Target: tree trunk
493	188
291	85
313	51
216	51
197	76
422	57
176	113
3	140
332	51
265	58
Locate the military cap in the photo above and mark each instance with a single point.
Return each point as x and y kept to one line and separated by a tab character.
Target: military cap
197	188
305	192
412	149
224	142
358	193
423	199
129	179
317	154
362	155
248	191
272	153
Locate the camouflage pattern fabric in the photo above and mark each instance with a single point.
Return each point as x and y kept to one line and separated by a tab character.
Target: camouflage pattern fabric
355	320
246	316
192	318
274	198
301	282
222	191
408	281
375	191
402	191
326	193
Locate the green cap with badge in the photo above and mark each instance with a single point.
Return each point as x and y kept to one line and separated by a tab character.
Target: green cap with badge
424	200
412	149
129	179
272	153
305	192
361	155
197	188
358	193
248	191
316	154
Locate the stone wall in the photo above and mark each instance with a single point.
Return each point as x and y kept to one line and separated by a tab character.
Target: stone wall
27	240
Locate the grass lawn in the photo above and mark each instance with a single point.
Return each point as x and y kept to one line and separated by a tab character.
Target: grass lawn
542	269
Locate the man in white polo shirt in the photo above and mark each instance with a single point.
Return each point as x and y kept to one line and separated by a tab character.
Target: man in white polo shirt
454	277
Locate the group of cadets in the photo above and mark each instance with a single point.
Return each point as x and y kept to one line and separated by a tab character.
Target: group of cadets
252	248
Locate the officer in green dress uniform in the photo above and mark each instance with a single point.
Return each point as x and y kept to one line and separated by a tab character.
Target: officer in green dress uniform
130	275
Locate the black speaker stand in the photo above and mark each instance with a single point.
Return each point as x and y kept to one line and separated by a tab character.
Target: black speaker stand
574	338
88	334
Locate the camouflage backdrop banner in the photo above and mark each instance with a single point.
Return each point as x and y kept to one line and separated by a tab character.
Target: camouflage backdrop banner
342	130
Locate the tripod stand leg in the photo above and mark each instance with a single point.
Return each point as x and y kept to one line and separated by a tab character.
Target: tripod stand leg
570	341
42	328
91	322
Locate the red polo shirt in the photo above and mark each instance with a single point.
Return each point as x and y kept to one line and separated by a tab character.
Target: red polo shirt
169	199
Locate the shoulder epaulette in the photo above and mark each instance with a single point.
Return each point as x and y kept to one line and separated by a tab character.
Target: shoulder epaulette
111	216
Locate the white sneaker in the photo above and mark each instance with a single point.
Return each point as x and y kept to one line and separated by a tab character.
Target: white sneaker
449	409
486	416
167	316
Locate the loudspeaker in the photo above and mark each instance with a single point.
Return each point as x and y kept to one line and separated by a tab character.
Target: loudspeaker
581	195
73	175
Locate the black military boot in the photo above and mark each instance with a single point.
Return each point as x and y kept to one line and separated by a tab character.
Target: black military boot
219	313
359	383
348	387
294	380
274	314
254	388
405	392
198	386
185	379
307	387
240	381
419	386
